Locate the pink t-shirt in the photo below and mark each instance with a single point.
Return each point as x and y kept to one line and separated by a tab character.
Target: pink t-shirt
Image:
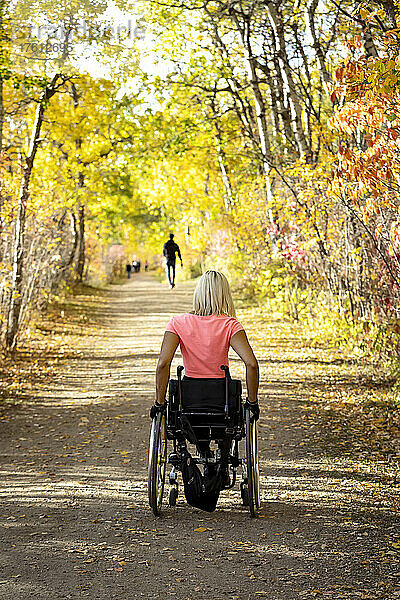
204	342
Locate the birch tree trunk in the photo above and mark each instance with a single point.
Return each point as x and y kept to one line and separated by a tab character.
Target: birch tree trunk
262	126
228	197
316	44
1	113
80	265
242	110
2	57
15	302
75	240
277	24
281	97
273	99
368	41
1	148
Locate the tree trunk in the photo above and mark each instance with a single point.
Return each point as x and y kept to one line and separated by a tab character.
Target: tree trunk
228	198
3	37
283	107
1	114
15	302
316	45
80	266
273	98
390	9
75	237
262	126
277	25
1	148
368	41
243	112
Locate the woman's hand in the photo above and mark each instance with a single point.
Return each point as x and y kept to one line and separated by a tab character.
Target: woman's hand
157	408
253	408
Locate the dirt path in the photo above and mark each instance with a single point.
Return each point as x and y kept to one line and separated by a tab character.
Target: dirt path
74	519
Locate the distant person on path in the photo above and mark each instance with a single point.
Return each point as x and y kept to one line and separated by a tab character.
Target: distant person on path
128	270
146	266
170	250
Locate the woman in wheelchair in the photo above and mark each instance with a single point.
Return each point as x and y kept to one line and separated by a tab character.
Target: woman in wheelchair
205	405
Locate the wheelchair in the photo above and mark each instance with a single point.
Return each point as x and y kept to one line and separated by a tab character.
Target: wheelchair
220	418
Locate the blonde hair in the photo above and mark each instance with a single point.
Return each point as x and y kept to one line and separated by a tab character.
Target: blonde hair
212	296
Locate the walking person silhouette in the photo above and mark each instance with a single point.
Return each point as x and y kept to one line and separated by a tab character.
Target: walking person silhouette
170	250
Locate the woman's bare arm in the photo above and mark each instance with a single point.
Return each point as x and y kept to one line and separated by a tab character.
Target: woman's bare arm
241	346
168	348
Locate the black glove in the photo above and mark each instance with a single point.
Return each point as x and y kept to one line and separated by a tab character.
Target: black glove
254	409
157	408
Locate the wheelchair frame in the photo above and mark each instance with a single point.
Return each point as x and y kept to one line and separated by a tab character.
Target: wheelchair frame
174	425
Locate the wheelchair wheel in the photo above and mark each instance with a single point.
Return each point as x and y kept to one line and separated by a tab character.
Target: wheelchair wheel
157	462
252	464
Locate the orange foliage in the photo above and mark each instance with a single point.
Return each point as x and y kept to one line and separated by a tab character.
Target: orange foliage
367	178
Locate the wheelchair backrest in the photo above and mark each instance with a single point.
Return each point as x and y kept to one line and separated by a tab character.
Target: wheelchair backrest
204	403
205	394
209	394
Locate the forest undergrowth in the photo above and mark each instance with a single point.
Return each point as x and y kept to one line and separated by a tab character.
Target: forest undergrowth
57	336
351	396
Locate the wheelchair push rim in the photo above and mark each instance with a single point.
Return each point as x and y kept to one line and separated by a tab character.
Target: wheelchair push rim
253	477
157	462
